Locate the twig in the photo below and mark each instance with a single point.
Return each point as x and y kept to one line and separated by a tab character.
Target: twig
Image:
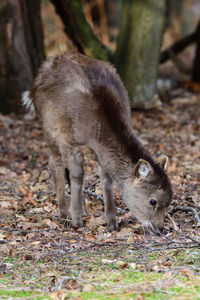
36	181
90	193
187	209
186	246
78	278
173	223
192	239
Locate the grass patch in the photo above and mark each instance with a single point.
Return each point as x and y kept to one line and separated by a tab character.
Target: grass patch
106	280
4	294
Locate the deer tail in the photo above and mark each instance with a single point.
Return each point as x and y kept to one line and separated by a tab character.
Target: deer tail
27	101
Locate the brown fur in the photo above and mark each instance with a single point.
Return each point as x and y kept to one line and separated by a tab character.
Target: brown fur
82	101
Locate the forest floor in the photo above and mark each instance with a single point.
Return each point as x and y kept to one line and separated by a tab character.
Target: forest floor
40	258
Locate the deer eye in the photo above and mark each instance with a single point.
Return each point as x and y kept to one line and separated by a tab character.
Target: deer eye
153	202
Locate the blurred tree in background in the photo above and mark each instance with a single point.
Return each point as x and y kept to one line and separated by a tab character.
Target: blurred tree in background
78	29
138	49
196	63
126	33
21	49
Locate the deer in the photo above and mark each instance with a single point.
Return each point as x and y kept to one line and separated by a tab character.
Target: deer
82	101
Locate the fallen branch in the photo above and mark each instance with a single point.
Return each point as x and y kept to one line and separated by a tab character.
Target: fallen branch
178	46
93	194
192	239
187	209
68	278
185	246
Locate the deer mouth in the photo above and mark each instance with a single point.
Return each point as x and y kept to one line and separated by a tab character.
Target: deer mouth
151	228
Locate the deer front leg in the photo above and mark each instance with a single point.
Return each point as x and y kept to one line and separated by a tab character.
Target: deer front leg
85	209
73	158
109	205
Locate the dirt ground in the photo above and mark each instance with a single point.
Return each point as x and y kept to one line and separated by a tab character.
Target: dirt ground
40	258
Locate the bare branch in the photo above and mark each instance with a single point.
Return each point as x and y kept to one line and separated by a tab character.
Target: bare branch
187	209
178	46
36	181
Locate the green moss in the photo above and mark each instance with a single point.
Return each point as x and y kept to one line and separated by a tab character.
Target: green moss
154	256
156	296
9	260
22	294
137	276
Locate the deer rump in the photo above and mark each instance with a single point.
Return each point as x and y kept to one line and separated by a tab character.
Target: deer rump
82	101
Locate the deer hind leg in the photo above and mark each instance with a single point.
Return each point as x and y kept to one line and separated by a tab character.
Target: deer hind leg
73	160
109	205
57	170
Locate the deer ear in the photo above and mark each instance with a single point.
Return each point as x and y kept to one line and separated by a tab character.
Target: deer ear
163	162
143	169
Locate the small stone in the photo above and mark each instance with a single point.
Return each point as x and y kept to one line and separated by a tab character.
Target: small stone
107	261
133	266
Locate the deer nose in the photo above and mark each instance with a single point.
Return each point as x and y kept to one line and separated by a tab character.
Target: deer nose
161	229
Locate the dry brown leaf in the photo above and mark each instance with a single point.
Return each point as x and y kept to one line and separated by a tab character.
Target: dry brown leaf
50	224
130	239
5	250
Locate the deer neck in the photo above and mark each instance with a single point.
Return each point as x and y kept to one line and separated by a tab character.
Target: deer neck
115	161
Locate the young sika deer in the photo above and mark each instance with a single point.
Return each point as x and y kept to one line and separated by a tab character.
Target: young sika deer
82	101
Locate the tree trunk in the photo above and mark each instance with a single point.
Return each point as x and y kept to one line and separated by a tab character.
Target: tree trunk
77	28
33	32
196	63
138	50
174	12
21	49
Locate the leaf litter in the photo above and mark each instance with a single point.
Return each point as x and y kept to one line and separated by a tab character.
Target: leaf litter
39	253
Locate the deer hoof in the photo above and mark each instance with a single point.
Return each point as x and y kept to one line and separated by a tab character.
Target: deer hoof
113	226
64	215
77	222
